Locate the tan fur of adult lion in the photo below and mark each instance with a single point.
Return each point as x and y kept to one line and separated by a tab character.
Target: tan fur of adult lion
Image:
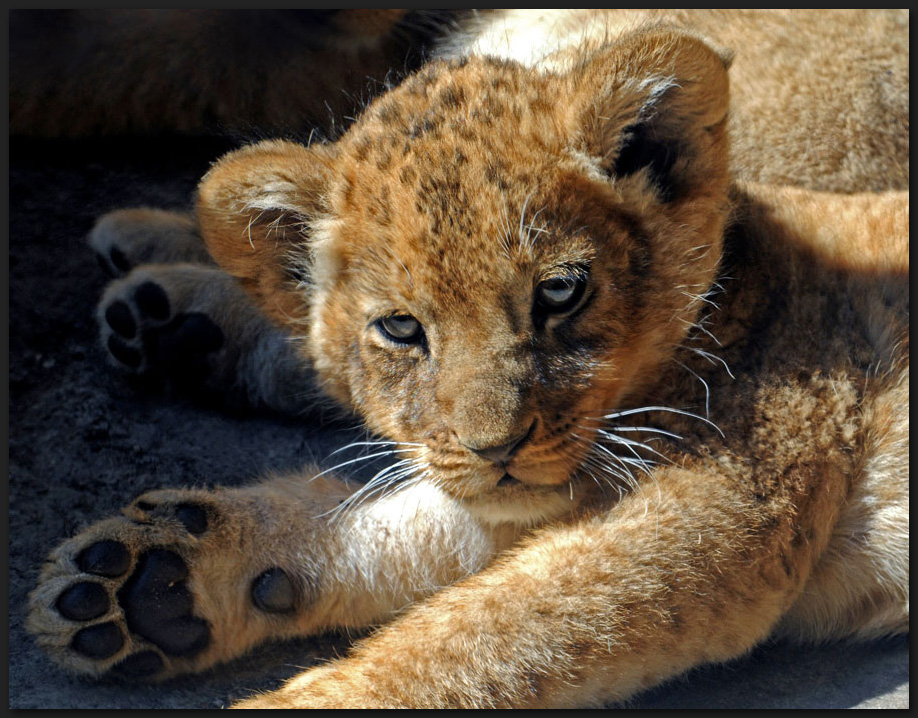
778	314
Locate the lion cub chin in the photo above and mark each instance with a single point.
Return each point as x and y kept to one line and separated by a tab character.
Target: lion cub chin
639	416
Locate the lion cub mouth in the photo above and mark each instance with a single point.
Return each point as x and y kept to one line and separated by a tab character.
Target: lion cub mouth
508	480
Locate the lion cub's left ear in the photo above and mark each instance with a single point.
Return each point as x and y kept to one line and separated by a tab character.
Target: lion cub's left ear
255	207
655	101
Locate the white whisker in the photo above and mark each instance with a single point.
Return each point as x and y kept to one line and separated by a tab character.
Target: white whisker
713	358
391	477
377	443
650	429
707	389
628	412
354	461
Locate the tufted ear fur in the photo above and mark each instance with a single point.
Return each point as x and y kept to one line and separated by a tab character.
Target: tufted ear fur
255	207
655	101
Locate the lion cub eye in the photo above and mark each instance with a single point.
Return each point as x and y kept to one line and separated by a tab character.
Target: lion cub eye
401	329
559	295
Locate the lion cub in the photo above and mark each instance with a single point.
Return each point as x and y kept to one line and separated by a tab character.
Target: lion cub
641	416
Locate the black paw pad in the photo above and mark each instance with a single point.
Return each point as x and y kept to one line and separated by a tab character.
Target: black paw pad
99	641
105	558
139	665
181	350
157	605
152	300
83	602
193	517
192	333
119	260
273	591
118	316
128	356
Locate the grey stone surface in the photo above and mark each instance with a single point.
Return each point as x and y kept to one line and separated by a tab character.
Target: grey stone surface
83	442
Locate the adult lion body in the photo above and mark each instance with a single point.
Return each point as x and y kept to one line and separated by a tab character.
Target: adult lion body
646	415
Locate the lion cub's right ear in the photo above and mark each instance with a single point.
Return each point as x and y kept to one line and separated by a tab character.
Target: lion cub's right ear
255	207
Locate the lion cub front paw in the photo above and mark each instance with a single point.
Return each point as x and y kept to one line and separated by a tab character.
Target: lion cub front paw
158	592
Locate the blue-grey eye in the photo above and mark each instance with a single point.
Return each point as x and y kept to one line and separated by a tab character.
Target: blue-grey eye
401	329
559	295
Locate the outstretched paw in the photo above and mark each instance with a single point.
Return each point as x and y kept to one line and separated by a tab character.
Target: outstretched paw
127	238
160	591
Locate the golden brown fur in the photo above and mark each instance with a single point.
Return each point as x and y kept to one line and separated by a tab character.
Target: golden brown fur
645	414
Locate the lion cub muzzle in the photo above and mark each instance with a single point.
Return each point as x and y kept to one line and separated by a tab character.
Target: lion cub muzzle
500	454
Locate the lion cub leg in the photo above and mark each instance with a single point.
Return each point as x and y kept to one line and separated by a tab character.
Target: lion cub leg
594	610
127	238
189	578
191	328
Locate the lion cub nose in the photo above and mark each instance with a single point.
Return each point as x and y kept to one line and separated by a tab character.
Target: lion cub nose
501	453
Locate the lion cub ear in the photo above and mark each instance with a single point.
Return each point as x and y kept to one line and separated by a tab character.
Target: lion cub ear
255	207
656	101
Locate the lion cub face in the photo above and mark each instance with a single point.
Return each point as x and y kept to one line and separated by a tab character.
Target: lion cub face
491	259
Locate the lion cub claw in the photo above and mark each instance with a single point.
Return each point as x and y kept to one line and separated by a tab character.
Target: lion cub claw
127	598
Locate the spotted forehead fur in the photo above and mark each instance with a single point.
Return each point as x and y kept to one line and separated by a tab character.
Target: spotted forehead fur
462	150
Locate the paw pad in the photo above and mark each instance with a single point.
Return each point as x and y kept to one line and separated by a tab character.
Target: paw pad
157	605
83	602
149	594
129	612
113	262
193	517
182	349
126	355
118	316
273	591
127	238
152	301
101	641
105	558
145	664
147	335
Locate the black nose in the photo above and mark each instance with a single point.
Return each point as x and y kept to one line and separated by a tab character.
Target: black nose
501	453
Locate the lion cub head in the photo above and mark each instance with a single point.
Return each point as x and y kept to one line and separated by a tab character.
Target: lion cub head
492	258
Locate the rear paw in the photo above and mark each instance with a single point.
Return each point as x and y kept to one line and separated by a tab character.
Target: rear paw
127	238
190	328
151	327
154	594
